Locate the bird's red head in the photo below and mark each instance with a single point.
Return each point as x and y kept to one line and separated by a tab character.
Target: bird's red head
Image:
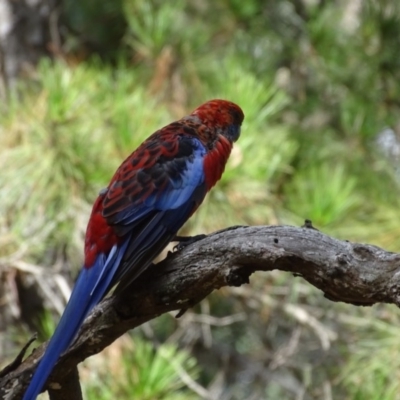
224	115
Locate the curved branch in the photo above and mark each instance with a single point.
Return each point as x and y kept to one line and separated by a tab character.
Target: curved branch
354	273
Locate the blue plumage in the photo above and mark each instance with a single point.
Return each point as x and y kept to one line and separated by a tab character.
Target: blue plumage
151	195
89	289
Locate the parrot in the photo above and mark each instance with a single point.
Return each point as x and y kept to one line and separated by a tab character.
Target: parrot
149	198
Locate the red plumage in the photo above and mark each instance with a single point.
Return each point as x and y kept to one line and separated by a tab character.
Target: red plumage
208	123
100	237
215	160
151	195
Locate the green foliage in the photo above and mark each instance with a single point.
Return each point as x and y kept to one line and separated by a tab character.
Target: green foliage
152	25
87	19
324	193
146	373
318	82
379	377
61	148
47	325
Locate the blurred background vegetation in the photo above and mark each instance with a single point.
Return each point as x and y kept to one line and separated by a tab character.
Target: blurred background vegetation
319	82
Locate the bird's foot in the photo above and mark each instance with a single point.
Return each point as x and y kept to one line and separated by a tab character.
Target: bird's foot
185	241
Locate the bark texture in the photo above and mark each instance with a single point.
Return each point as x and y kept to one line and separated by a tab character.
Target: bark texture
354	273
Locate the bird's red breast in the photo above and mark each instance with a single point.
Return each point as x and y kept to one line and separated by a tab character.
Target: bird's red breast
215	161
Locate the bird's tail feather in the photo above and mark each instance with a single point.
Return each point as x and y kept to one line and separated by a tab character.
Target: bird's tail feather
89	289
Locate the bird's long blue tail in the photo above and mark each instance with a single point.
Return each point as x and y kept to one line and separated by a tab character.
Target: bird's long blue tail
91	286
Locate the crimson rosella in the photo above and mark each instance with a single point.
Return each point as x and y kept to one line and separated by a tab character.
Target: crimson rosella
151	195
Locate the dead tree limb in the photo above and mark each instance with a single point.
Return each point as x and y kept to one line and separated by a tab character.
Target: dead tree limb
354	273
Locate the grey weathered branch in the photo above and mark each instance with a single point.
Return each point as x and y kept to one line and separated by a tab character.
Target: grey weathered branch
350	272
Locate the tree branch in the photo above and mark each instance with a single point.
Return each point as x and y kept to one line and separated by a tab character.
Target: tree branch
350	272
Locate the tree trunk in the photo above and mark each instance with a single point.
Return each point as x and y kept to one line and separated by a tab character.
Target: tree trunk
28	31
